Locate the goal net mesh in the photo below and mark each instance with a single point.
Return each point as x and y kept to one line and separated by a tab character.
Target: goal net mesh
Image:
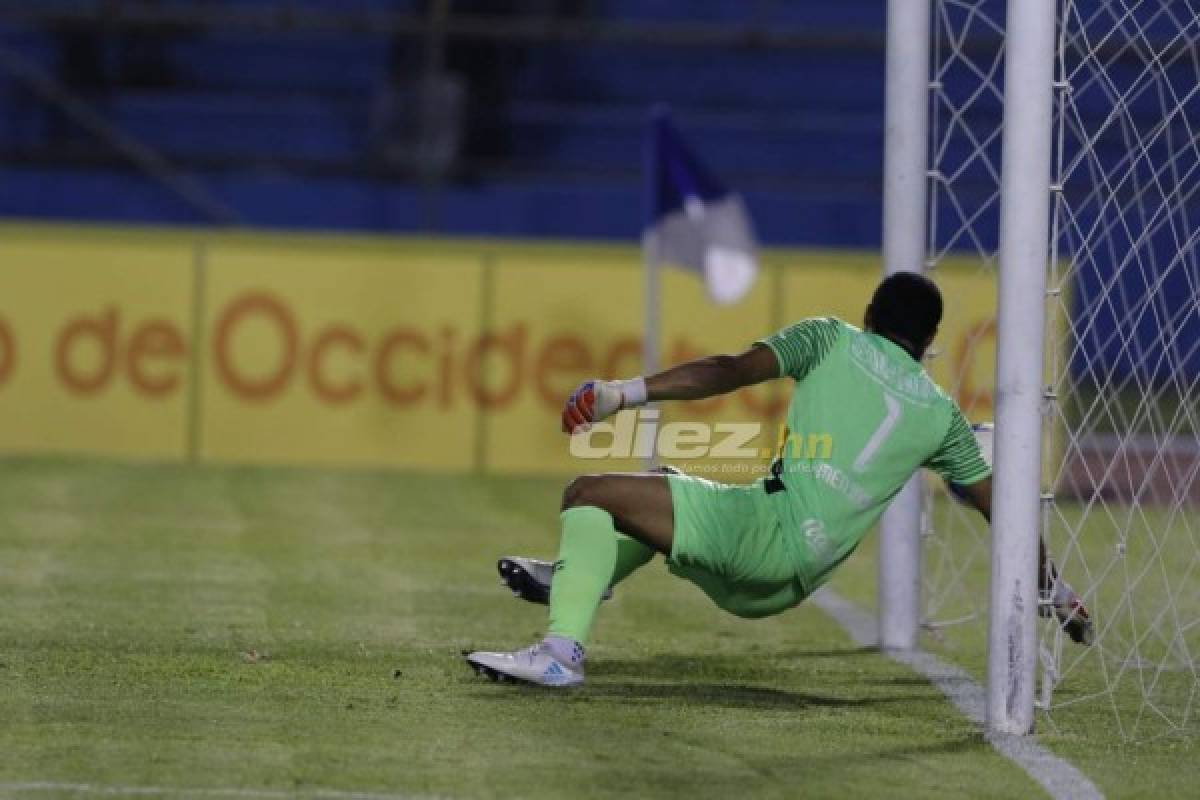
1121	504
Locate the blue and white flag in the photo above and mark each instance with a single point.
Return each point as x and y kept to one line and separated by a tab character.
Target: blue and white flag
694	221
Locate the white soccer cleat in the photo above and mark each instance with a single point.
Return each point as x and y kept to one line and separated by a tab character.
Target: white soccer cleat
534	665
530	578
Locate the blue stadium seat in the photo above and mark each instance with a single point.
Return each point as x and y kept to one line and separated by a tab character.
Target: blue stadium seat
669	11
296	62
743	80
402	6
845	15
29	42
23	118
798	145
226	124
832	215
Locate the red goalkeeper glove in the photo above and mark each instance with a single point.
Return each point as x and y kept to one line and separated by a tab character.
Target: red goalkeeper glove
597	400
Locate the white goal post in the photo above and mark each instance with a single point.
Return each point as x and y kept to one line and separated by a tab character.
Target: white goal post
906	114
1062	159
1020	328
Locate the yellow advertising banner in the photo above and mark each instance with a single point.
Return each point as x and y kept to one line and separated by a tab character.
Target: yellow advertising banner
94	345
426	354
317	355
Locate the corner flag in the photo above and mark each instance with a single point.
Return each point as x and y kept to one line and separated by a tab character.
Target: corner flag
693	221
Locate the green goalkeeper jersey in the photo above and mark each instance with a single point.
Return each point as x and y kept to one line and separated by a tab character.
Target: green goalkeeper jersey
863	417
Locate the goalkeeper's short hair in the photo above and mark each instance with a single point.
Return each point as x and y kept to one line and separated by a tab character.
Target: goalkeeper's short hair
907	305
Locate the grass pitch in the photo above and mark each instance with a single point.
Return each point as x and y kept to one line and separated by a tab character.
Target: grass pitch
299	630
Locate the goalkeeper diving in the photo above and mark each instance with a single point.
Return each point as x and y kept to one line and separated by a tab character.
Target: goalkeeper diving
760	549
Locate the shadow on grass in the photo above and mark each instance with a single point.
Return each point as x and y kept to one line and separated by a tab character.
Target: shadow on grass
724	680
903	680
734	666
733	696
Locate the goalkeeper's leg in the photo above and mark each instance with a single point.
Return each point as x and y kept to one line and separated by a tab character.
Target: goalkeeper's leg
595	509
612	524
531	578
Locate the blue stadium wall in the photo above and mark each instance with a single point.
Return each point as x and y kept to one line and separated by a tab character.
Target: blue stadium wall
279	128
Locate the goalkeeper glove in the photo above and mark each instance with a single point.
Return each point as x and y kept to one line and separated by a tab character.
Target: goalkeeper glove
597	400
1057	599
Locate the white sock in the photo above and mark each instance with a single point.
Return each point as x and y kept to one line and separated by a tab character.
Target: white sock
565	649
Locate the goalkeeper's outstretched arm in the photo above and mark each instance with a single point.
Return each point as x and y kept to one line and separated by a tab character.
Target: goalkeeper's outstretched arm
693	380
706	377
1058	598
979	495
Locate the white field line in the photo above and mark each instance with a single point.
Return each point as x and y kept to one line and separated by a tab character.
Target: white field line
67	789
1061	779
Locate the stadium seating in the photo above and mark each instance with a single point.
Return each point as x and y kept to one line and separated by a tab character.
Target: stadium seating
280	125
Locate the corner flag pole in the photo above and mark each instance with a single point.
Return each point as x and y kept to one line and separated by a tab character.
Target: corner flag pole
650	288
650	268
650	278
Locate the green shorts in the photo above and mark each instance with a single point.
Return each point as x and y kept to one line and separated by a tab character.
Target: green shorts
729	542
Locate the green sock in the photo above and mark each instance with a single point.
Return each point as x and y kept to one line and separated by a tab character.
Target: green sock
631	554
587	558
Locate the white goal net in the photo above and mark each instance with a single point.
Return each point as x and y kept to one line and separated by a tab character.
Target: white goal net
1121	508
